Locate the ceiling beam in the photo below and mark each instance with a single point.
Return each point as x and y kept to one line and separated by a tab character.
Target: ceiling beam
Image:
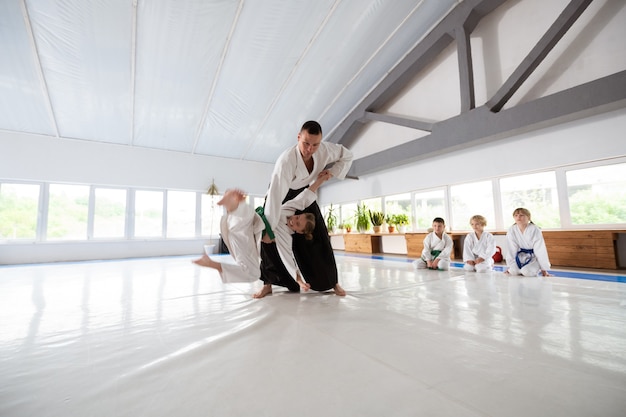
481	125
562	24
466	74
399	120
467	14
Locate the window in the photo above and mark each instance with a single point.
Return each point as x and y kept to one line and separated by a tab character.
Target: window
373	204
19	205
597	195
347	214
68	211
468	200
181	214
428	205
398	204
109	219
148	214
535	192
211	215
331	216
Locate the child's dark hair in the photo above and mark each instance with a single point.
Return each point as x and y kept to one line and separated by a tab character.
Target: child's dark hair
439	220
309	226
312	127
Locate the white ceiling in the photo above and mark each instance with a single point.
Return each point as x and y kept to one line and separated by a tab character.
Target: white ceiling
226	78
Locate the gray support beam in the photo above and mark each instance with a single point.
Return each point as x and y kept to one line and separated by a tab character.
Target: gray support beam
466	74
482	126
400	121
562	24
468	13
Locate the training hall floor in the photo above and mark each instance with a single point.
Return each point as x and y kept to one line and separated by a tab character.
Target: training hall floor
164	337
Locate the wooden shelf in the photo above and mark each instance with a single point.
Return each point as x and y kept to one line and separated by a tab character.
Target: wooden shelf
582	248
362	242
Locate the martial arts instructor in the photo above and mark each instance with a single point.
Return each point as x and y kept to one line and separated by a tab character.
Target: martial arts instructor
295	170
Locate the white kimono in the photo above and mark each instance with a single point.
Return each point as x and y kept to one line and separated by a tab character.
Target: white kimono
291	172
473	248
433	243
529	263
241	230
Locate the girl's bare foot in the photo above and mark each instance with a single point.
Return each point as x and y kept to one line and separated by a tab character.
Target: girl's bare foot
267	289
208	262
339	291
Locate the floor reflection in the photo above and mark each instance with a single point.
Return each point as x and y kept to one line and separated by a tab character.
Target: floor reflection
135	336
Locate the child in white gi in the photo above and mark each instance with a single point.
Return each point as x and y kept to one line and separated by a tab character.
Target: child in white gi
437	248
479	247
526	252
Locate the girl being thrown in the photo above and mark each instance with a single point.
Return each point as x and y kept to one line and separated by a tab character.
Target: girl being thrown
241	228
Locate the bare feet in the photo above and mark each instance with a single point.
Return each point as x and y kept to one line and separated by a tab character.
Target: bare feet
339	291
267	289
304	286
208	262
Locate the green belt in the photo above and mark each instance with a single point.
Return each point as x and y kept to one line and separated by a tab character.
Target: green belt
268	229
434	253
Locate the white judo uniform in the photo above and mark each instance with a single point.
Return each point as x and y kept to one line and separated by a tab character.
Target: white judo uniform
473	248
290	172
526	253
241	229
433	243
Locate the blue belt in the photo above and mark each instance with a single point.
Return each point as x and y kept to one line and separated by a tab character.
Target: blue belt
520	265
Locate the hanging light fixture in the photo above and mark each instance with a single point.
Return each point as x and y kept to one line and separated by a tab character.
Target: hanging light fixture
212	191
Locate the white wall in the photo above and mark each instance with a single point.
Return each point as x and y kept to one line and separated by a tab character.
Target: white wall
41	158
36	158
27	253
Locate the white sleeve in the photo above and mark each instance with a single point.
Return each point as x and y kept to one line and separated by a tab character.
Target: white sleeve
342	158
282	177
540	250
300	202
512	246
427	247
447	249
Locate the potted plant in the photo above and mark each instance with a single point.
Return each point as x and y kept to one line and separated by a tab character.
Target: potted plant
331	219
402	220
391	222
348	227
362	218
377	219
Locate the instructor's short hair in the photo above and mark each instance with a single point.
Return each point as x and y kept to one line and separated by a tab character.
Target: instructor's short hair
312	127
